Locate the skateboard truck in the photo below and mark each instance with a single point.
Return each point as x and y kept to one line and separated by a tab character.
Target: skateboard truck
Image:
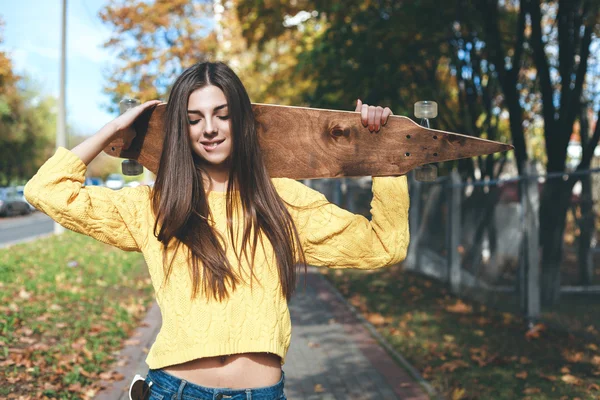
130	167
426	110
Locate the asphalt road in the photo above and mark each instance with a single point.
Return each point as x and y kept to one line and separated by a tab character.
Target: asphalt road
17	229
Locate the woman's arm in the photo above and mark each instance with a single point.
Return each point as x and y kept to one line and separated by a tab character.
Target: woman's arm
337	238
113	217
92	146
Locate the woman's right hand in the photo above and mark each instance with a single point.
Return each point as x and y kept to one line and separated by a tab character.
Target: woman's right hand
123	123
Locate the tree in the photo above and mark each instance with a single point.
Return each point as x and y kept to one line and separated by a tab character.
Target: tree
154	42
571	32
26	124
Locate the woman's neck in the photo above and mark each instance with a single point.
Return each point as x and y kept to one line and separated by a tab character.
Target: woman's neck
216	179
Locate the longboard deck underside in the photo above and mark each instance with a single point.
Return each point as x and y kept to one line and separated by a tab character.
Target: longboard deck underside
307	143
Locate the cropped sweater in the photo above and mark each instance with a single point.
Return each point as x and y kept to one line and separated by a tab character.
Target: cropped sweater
255	318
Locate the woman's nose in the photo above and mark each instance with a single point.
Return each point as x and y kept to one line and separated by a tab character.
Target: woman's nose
209	127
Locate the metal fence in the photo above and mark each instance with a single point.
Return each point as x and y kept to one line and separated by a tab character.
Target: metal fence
483	239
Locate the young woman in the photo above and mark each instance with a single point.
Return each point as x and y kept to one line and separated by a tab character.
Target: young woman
220	238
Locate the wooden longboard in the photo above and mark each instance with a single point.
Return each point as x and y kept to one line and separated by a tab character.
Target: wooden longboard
307	143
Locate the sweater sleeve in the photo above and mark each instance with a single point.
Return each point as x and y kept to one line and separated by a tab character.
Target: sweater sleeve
115	217
336	238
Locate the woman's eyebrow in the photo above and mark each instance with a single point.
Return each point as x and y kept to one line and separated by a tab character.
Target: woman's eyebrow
214	110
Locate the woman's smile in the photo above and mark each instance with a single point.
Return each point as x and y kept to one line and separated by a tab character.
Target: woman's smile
211	145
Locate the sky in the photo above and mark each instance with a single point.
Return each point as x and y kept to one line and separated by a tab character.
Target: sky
32	38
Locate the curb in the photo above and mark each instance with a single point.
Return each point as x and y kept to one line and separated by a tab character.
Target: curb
6	245
131	358
383	342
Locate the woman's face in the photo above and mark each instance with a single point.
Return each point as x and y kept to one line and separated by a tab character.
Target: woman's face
209	125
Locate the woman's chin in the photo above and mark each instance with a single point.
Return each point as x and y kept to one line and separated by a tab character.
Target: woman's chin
214	160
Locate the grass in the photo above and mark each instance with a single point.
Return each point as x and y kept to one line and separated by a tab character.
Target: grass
66	305
468	351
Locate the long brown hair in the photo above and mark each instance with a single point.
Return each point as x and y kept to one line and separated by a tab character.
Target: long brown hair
180	202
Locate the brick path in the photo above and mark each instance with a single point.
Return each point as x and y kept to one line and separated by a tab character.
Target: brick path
332	354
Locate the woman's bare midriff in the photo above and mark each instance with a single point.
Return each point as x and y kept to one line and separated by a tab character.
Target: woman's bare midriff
236	371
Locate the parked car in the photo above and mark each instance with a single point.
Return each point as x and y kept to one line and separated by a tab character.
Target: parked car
20	190
12	203
114	181
92	181
134	184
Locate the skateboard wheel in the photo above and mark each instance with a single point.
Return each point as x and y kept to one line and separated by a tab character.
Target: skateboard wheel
127	103
131	168
426	173
426	109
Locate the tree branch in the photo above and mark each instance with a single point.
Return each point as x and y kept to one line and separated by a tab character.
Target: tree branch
575	104
588	151
543	69
516	64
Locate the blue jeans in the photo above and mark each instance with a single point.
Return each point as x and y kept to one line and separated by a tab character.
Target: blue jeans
168	387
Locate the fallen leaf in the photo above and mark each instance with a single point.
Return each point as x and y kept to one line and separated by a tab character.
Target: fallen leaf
75	387
448	338
376	319
118	377
532	390
521	375
593	386
460	308
458	393
548	377
451	366
319	388
534	332
573	357
570	379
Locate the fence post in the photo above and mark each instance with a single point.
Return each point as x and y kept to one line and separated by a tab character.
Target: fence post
414	217
454	231
532	262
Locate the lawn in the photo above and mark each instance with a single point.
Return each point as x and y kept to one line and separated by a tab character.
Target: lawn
67	303
468	351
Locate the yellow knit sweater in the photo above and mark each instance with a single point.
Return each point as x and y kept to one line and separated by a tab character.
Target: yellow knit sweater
253	319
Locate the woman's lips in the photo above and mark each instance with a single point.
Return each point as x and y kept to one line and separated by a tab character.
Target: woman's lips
212	145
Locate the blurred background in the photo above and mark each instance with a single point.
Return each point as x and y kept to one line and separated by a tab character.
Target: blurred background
516	231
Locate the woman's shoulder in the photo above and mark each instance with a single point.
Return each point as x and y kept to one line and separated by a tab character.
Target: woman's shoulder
296	192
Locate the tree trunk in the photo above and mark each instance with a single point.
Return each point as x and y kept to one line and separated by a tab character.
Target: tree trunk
553	210
586	229
586	222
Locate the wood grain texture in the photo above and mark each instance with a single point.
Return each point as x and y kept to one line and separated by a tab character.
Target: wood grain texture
307	143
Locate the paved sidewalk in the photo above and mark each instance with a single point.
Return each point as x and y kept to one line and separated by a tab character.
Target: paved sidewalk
332	354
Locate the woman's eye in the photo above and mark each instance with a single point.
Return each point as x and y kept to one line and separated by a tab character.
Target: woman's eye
194	122
224	117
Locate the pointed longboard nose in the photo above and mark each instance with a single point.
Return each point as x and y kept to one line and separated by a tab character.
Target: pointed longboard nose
437	146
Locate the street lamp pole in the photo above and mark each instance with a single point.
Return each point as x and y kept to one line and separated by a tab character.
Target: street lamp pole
61	136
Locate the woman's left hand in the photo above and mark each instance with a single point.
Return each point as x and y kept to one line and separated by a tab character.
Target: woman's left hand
372	116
